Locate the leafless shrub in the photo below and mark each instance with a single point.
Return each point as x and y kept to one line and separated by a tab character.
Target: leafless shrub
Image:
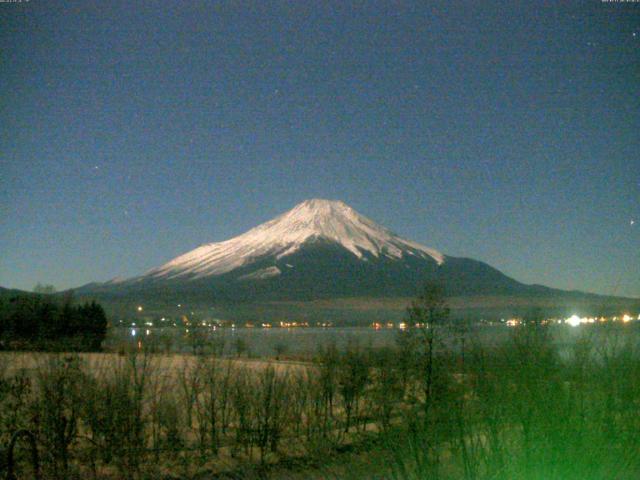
15	394
241	404
115	416
271	396
352	378
386	392
57	409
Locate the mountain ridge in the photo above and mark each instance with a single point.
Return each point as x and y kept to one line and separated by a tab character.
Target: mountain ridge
320	249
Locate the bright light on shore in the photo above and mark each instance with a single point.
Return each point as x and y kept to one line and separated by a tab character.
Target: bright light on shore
574	320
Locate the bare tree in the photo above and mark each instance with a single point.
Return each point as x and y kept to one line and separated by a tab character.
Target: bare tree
427	313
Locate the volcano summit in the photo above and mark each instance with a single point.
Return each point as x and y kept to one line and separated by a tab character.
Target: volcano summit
309	223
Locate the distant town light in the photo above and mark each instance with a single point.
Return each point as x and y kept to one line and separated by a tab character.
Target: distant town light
139	308
133	332
574	320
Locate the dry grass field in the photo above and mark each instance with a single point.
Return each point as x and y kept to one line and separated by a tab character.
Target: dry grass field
518	410
12	362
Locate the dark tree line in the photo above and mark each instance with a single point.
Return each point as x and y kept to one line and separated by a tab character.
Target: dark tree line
42	323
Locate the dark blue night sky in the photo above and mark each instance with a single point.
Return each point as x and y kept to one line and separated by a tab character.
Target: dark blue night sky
134	131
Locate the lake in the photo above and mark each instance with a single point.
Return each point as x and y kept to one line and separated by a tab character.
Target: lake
303	341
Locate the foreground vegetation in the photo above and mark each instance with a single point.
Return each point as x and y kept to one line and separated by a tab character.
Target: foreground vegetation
521	410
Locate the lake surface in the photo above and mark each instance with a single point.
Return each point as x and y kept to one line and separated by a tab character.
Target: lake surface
304	341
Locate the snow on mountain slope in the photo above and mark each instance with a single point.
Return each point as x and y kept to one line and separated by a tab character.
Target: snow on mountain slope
328	220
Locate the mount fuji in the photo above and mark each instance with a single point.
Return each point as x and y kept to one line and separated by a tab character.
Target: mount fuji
310	224
320	249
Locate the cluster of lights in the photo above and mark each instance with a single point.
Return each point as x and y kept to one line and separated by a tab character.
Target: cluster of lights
293	324
378	325
575	320
400	325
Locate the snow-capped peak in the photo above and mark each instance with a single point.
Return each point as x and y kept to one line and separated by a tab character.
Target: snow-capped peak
312	219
